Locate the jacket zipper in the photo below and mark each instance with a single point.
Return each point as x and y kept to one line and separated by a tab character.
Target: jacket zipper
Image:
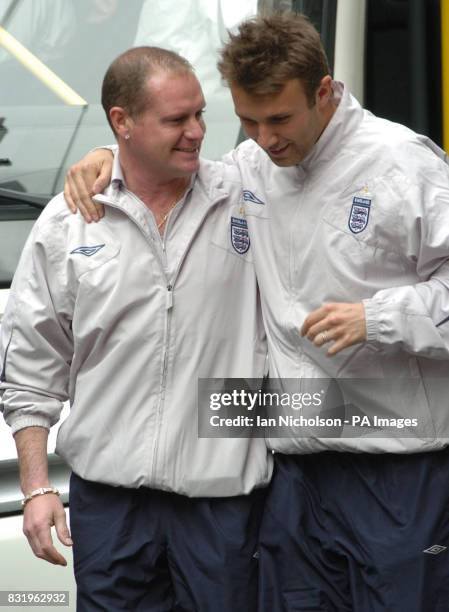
169	306
162	384
168	320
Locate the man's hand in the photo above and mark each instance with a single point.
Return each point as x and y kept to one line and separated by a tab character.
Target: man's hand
340	323
87	178
40	514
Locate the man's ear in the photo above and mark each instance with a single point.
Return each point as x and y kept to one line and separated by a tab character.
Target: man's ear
324	91
121	121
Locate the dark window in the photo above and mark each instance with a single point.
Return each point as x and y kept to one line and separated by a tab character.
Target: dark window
403	63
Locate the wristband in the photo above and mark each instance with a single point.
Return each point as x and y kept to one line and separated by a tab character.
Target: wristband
36	492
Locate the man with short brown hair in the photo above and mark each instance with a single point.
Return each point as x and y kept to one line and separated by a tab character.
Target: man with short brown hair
349	219
261	60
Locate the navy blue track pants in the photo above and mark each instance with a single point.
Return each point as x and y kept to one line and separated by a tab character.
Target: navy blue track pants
147	550
347	532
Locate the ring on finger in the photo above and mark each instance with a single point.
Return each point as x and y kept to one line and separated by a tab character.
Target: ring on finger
324	337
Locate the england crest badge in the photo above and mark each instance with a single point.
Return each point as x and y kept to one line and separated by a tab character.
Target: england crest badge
239	235
359	215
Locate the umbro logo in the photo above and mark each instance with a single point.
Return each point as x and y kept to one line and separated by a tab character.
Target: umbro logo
88	251
249	196
436	549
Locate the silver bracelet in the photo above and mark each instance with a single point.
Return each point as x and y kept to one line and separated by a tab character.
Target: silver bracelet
36	492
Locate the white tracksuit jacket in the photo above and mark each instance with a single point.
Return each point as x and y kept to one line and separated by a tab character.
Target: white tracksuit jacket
102	315
364	217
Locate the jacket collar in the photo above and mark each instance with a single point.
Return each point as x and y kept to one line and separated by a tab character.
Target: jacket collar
209	185
343	123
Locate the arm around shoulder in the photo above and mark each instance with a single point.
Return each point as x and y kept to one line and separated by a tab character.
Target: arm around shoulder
86	178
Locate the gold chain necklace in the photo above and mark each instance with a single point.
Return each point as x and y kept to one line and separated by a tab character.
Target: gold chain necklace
165	217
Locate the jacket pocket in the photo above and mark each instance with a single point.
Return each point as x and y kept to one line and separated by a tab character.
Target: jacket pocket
388	385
